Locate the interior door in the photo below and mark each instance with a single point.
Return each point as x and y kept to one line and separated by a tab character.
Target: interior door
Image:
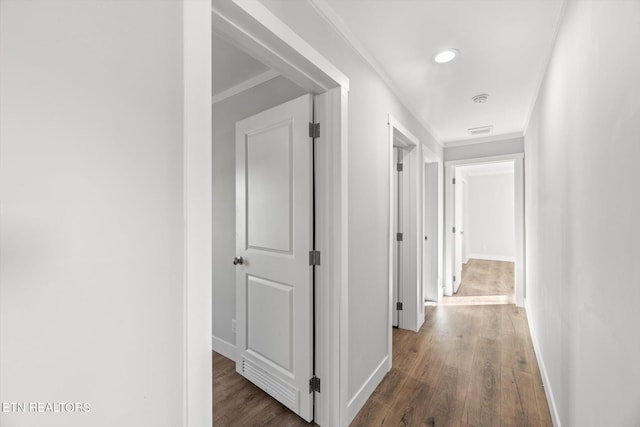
273	240
458	224
465	224
429	235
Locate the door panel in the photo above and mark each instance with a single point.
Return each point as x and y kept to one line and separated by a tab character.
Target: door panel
269	188
274	237
269	321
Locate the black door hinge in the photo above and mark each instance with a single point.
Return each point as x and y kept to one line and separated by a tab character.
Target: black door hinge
399	306
314	130
314	385
399	167
314	257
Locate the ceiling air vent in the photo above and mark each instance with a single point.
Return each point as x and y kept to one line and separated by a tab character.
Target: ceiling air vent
484	130
480	99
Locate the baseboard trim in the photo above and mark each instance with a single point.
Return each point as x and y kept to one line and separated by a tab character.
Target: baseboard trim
553	409
490	257
361	397
223	347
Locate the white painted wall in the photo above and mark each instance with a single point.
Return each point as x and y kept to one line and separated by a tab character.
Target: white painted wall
92	290
225	116
473	150
582	207
490	222
370	101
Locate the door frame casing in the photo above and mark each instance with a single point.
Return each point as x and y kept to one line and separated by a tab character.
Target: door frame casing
519	267
253	28
198	240
412	316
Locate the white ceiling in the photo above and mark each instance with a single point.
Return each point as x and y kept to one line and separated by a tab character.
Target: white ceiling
504	47
231	66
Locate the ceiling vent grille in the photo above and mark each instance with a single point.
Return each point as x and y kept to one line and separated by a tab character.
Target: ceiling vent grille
480	99
484	130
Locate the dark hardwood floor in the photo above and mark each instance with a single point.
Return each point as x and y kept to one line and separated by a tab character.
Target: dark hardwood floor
467	366
239	403
471	366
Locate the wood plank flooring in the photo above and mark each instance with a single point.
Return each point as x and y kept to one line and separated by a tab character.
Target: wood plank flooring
470	366
484	283
483	277
239	403
467	366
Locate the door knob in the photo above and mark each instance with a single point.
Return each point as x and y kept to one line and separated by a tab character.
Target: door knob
238	260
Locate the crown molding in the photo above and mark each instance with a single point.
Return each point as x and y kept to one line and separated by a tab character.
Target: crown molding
545	67
482	140
326	12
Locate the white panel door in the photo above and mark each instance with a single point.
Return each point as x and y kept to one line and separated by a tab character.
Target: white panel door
273	240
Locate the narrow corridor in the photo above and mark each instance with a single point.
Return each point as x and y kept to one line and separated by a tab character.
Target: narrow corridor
468	366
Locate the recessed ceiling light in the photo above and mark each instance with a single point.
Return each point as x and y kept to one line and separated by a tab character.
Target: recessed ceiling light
445	55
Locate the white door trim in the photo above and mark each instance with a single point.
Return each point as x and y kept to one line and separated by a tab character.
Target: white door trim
253	28
519	277
332	241
197	187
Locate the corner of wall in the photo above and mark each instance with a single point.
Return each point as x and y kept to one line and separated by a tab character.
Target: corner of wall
553	408
362	395
223	347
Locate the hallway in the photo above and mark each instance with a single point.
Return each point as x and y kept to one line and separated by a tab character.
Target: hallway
484	277
468	366
484	282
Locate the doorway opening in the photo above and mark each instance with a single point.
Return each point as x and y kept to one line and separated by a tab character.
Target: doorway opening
405	266
261	83
401	225
415	231
485	226
415	228
263	220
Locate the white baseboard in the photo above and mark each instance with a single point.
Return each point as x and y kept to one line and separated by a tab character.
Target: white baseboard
553	409
223	347
490	257
360	398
